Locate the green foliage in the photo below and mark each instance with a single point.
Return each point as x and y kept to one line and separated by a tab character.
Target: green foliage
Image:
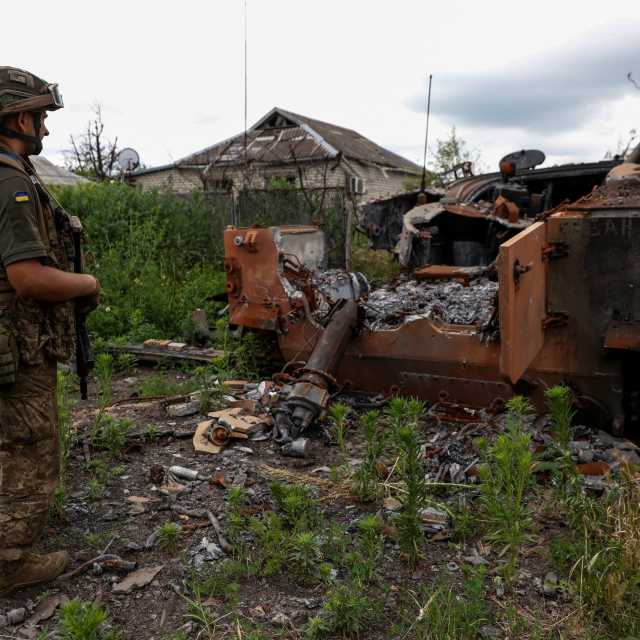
304	554
445	616
219	581
452	151
365	480
168	535
348	612
110	434
83	621
364	561
157	256
559	399
272	542
408	520
125	362
96	489
338	413
66	437
601	554
104	373
506	476
300	511
378	266
404	415
159	384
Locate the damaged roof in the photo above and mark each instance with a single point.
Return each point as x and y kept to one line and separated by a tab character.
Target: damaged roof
282	136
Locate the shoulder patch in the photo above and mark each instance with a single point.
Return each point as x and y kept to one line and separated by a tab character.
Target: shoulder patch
22	196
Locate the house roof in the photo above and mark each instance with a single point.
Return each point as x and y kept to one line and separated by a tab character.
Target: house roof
282	136
52	174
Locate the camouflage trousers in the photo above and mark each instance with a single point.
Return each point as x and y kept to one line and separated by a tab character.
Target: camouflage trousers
28	460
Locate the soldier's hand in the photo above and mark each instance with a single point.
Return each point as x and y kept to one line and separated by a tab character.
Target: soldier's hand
86	304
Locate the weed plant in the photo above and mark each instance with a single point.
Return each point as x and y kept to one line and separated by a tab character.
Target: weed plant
347	612
168	535
104	374
219	581
84	621
365	480
364	561
506	476
160	385
559	399
338	413
601	554
299	509
66	438
445	616
413	498
110	434
272	544
304	554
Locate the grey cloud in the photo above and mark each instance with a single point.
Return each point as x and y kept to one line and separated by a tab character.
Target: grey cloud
563	89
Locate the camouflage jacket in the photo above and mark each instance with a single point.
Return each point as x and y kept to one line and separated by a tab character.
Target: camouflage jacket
30	228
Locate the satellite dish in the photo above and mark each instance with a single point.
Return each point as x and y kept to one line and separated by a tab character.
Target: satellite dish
128	159
525	159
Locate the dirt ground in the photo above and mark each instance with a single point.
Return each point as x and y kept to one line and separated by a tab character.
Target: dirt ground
117	506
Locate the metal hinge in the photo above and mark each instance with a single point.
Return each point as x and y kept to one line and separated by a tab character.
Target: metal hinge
555	319
554	250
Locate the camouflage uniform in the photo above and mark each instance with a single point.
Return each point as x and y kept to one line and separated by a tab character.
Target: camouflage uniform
34	336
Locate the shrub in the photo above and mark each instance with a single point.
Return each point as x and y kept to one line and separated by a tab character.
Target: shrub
158	256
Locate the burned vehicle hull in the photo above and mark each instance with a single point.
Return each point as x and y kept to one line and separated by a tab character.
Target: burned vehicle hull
465	223
561	304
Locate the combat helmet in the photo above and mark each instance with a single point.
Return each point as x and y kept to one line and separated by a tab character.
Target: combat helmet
23	91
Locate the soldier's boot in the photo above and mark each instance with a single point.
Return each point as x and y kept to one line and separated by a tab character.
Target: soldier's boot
34	570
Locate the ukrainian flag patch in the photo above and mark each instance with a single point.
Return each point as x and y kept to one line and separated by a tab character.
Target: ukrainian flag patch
22	196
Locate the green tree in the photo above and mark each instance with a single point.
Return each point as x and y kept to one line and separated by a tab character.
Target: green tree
450	152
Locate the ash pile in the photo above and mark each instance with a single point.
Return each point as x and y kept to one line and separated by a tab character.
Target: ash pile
450	301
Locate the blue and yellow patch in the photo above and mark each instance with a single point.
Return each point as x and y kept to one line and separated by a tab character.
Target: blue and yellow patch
22	196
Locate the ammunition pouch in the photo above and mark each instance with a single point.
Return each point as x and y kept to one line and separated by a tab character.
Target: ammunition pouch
9	358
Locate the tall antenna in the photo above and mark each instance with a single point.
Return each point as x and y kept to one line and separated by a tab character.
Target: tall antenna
245	81
423	184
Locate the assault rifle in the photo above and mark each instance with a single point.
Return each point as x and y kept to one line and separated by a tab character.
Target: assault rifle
84	354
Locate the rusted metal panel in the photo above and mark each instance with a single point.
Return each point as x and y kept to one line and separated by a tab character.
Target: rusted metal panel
522	276
623	335
444	272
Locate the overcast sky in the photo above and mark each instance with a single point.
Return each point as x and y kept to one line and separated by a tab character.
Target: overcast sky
548	75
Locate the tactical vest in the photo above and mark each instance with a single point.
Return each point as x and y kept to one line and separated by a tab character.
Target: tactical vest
40	329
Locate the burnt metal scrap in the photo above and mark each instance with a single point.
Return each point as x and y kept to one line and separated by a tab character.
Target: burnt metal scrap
501	295
448	300
466	223
309	397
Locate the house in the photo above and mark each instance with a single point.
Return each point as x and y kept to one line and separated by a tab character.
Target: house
283	149
53	175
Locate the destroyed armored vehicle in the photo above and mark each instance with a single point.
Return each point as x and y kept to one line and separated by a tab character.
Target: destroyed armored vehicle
464	224
540	292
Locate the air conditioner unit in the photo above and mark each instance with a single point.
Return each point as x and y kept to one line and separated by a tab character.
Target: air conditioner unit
356	185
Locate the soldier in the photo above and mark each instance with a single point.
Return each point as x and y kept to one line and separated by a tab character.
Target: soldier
38	291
